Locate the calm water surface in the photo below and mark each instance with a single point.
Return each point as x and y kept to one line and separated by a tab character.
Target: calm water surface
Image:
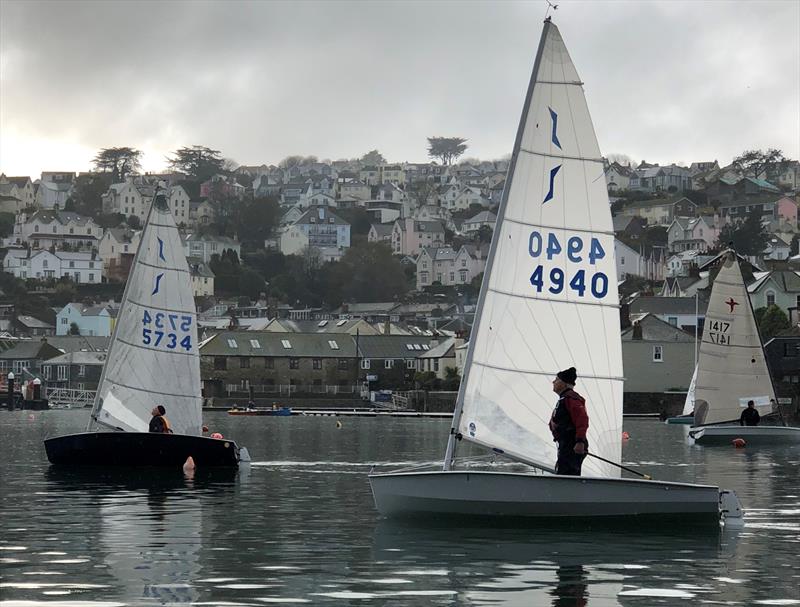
299	527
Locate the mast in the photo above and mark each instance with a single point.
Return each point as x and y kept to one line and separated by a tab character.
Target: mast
454	435
120	312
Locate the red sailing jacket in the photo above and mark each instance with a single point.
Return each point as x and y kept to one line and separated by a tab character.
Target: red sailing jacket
569	422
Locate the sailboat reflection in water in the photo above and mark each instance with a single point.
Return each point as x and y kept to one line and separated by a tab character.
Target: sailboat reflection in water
548	301
153	359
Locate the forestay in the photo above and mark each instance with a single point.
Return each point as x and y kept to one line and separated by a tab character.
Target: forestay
549	297
153	357
732	368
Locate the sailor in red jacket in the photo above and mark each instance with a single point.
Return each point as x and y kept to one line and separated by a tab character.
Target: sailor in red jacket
569	424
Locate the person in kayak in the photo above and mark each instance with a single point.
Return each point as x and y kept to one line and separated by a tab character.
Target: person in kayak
569	424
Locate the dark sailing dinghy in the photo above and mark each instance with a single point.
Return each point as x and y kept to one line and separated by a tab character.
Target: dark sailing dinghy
548	301
732	369
153	359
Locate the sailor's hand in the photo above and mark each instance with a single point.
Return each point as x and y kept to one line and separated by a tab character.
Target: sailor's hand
580	448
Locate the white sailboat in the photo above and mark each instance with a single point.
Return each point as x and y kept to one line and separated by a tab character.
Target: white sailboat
732	368
153	359
687	414
548	301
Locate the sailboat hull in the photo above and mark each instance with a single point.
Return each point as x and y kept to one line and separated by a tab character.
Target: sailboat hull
497	494
140	449
752	435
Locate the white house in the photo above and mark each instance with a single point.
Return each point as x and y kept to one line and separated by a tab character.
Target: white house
692	233
202	278
320	229
204	246
679	264
484	218
83	268
51	228
134	197
20	188
96	320
409	236
447	267
116	251
54	190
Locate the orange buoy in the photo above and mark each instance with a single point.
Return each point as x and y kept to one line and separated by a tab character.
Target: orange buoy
739	443
216	435
625	436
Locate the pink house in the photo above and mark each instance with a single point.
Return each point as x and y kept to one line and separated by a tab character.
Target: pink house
410	236
786	208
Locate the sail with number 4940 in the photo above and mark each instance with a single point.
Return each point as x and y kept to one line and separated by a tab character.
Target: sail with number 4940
548	301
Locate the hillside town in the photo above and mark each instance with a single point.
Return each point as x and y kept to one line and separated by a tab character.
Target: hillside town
341	279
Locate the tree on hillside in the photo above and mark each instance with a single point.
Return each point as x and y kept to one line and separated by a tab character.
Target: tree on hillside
771	321
119	162
257	219
87	195
422	192
621	159
447	149
748	236
197	161
296	160
373	158
757	163
358	219
366	273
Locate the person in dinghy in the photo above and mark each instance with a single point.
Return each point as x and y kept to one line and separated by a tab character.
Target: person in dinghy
569	424
159	422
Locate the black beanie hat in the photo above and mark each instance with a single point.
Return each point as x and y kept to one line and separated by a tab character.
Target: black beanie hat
163	411
568	376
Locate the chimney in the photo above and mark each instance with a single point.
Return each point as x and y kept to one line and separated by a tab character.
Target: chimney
637	331
387	327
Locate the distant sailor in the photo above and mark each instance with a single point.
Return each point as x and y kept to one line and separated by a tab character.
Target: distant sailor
569	424
159	422
749	416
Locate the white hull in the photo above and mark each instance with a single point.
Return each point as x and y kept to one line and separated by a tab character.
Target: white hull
501	494
757	435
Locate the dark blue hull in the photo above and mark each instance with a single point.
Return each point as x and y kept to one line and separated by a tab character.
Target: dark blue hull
140	449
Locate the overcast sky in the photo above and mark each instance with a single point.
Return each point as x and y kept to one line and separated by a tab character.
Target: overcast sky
666	81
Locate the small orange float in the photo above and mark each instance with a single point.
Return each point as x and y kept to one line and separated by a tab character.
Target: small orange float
739	443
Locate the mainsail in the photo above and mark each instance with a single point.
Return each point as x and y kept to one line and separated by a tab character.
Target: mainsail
549	296
153	357
732	368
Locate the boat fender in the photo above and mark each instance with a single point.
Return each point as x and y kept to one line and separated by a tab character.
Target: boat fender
244	455
625	436
216	435
739	443
338	424
189	464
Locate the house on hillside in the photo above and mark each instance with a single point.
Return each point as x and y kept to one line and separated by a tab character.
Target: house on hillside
473	224
25	358
21	188
90	320
116	250
682	312
44	229
74	371
410	236
444	266
779	287
692	233
657	356
83	268
205	246
318	228
618	177
726	190
380	232
660	211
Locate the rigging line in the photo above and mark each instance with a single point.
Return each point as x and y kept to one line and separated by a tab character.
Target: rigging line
159	392
157	267
563	227
564	82
182	312
544	373
562	156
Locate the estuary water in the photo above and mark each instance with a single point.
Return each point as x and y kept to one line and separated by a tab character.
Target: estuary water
299	526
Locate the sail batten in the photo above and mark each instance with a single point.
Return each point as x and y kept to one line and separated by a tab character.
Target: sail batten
549	299
153	357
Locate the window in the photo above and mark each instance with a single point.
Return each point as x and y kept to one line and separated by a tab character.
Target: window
316	364
411	363
244	362
286	344
62	372
388	363
658	354
220	363
91	277
46	370
341	322
770	298
673	320
232	343
797	302
436	364
254	343
621	261
365	364
269	363
343	364
294	363
64	321
333	344
82	371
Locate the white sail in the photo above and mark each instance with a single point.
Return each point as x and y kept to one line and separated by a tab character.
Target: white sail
549	297
732	368
153	358
688	404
